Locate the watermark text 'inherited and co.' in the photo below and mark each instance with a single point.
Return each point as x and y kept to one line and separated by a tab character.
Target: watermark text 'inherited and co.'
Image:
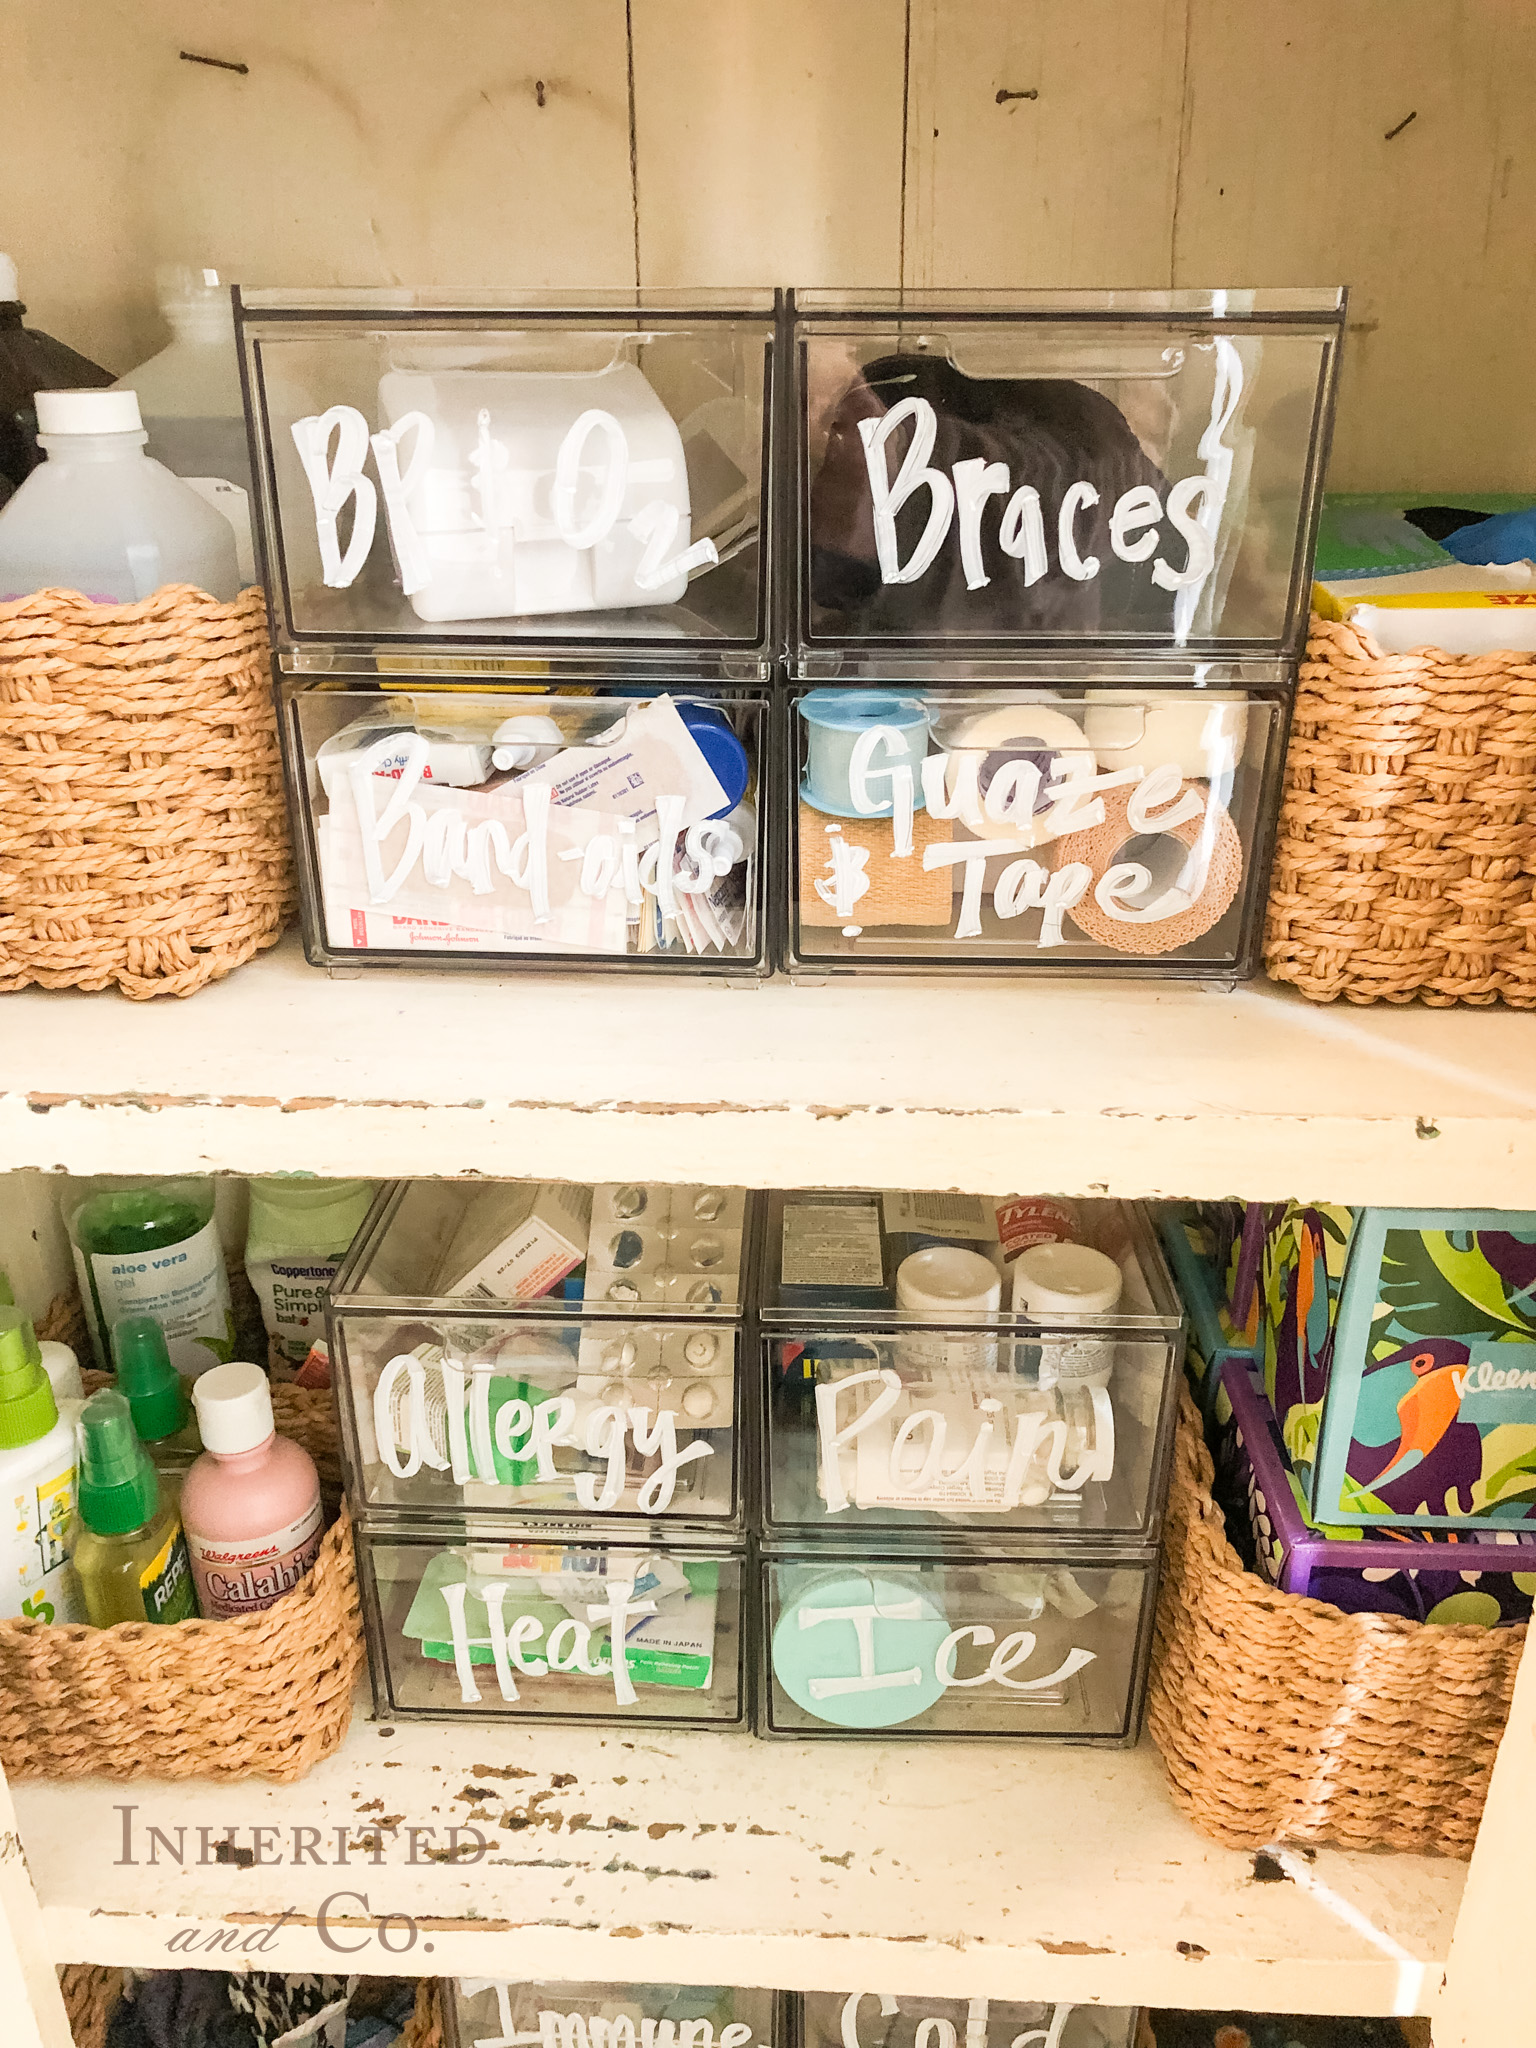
344	1920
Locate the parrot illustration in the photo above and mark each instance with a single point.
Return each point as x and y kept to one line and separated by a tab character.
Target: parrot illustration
1436	1453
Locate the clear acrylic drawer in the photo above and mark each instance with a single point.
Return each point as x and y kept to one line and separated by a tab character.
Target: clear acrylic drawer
1094	825
545	1352
915	1437
941	1365
489	1621
491	2012
451	825
986	474
504	477
874	2019
857	1645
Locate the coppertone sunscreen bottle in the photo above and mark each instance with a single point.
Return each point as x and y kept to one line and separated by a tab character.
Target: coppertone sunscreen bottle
251	1504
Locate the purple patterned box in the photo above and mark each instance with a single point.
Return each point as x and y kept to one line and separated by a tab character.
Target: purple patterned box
1486	1576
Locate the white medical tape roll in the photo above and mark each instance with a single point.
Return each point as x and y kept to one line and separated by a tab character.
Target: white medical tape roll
1012	729
1203	734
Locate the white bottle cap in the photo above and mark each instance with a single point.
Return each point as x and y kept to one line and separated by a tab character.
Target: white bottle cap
943	1279
63	1370
10	284
88	412
1065	1280
234	1407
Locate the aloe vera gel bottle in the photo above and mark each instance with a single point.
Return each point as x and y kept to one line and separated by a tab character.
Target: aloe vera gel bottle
151	1248
129	1553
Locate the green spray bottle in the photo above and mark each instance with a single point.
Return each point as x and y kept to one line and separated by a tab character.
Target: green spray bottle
157	1397
129	1553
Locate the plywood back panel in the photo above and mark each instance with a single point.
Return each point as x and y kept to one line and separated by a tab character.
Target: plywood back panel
821	142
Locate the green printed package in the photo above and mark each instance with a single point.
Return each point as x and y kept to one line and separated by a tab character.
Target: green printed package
672	1647
152	1249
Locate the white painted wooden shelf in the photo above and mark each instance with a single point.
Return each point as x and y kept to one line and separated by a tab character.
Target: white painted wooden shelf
960	1870
1133	1089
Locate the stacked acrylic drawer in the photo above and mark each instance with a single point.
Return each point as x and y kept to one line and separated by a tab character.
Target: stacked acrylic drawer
484	2012
968	1416
543	1428
516	552
1050	567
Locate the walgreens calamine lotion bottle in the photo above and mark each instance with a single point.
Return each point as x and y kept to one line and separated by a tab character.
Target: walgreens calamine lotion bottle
250	1506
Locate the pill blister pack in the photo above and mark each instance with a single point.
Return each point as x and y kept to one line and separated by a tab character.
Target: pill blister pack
664	1248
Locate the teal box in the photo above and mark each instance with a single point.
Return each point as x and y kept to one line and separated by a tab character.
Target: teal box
1202	1243
1400	1359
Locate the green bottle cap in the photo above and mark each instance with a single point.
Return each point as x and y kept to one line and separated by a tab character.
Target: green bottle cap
11	1318
119	1489
27	1407
156	1396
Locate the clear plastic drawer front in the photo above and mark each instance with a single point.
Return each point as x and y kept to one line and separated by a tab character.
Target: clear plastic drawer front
934	1433
474	1381
455	825
860	1645
1018	469
873	2019
590	483
1109	830
971	1368
504	1624
491	2012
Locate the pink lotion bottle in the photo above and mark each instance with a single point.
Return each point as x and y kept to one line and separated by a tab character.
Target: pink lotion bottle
250	1506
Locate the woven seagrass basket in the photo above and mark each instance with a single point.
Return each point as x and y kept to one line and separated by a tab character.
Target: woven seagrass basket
1281	1719
143	836
1405	865
269	1695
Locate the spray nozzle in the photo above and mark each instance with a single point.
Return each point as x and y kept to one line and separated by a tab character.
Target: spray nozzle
27	1407
118	1486
145	1374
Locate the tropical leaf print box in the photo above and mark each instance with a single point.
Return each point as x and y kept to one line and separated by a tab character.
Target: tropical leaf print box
1400	1360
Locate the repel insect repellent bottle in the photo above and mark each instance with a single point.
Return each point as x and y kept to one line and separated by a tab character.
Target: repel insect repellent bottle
37	1492
129	1552
151	1248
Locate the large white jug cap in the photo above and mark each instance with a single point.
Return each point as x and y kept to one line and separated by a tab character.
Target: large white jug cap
88	412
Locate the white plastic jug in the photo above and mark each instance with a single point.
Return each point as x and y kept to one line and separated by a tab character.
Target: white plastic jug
100	517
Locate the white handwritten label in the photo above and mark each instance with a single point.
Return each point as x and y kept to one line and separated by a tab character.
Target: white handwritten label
561	2029
936	2028
523	1435
1193	509
459	527
567	1648
947	1448
1015	1649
